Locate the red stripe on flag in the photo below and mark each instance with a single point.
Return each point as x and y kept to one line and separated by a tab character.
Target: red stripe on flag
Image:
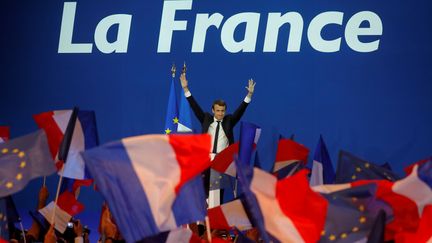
192	153
424	231
405	210
409	168
54	134
290	150
306	208
223	160
4	133
69	204
217	219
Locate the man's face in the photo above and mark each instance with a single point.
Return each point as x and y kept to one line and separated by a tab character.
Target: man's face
218	111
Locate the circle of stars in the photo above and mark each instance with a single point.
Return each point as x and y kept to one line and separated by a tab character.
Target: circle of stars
9	184
361	220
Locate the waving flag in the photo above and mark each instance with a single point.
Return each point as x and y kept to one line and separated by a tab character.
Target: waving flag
410	167
84	137
249	137
287	209
351	168
23	159
224	161
4	227
322	168
171	119
423	232
407	198
351	214
152	183
229	215
289	152
267	147
8	216
61	217
4	134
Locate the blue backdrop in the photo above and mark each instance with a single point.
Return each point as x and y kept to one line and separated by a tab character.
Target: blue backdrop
375	103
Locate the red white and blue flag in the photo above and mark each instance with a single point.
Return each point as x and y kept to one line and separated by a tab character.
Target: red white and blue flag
249	137
286	210
322	167
229	215
84	137
152	183
290	155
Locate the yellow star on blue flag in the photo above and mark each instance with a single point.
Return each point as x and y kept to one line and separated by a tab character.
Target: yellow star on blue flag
23	159
171	119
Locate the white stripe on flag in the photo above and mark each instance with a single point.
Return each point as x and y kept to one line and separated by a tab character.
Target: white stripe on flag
415	189
326	189
317	174
263	185
235	215
62	118
179	235
74	167
281	164
156	167
183	128
61	217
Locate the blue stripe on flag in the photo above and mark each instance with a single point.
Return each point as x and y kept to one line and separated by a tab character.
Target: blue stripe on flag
117	181
190	204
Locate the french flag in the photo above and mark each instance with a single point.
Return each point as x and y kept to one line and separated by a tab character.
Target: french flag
4	134
289	152
286	210
84	137
229	215
407	197
322	167
224	161
152	183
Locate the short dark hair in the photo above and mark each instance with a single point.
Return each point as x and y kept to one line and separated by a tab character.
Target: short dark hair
219	103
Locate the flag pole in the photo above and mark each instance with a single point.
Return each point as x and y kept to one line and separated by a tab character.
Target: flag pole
63	153
235	186
207	221
22	231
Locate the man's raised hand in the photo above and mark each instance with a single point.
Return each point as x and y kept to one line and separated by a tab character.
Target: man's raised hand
184	82
251	87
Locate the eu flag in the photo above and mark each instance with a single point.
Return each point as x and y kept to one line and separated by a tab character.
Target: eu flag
4	227
23	159
351	168
351	214
171	121
185	119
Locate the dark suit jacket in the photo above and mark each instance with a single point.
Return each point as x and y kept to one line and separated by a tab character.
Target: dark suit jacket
228	123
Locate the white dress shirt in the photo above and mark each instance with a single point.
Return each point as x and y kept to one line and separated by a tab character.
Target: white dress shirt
222	138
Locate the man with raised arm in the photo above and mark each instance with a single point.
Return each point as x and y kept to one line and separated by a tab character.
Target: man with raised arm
218	124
